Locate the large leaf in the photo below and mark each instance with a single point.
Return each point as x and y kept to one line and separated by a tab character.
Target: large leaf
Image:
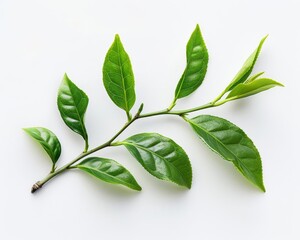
48	141
197	59
247	68
109	171
230	142
72	104
252	87
161	157
118	76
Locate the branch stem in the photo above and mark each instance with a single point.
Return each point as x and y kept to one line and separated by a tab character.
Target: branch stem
109	143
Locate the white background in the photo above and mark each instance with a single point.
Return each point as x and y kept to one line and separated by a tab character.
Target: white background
40	40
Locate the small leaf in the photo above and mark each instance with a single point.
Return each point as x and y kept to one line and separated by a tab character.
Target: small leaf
109	171
118	76
247	68
161	157
72	104
252	87
197	60
48	141
231	143
255	76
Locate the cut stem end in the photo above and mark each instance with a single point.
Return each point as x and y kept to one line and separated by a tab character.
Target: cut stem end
36	187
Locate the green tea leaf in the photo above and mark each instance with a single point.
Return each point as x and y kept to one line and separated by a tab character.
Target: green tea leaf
118	76
161	157
231	143
109	171
247	68
255	76
48	141
72	104
197	60
252	87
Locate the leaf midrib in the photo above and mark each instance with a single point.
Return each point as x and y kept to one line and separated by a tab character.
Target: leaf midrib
76	108
122	76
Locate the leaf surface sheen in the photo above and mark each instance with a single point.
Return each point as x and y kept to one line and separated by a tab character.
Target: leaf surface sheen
161	157
197	60
72	104
118	76
109	171
231	143
47	140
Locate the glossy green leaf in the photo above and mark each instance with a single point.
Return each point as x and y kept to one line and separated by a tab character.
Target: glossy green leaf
72	104
247	68
109	171
231	143
118	76
197	60
48	141
252	87
161	157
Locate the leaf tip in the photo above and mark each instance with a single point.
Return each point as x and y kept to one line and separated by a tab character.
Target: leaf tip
259	184
138	188
65	75
65	78
263	39
187	183
262	188
27	130
190	180
140	108
197	30
117	37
